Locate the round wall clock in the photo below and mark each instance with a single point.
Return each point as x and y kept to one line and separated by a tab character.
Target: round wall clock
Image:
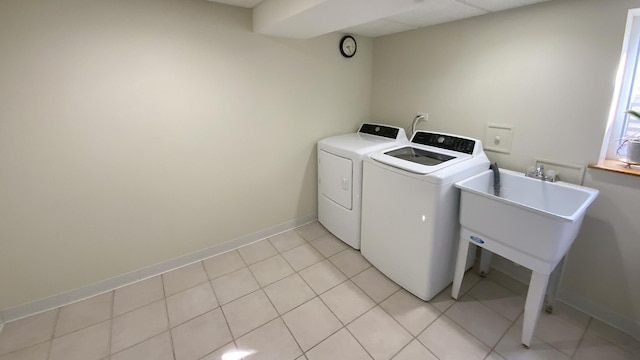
348	46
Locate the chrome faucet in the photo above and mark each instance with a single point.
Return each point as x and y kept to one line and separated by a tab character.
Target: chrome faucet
539	173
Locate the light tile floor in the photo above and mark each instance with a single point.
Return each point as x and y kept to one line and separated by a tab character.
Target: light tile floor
304	294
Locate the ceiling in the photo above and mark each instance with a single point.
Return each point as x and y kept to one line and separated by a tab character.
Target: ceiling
305	19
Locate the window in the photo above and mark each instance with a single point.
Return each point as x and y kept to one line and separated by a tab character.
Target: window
627	91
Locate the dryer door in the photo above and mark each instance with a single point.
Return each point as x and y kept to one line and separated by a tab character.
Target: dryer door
335	175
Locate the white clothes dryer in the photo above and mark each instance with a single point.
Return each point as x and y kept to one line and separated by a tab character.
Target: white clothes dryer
340	177
410	208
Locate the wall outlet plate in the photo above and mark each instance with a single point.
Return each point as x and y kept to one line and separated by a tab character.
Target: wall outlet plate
498	138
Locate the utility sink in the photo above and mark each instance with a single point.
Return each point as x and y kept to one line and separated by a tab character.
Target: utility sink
535	217
530	222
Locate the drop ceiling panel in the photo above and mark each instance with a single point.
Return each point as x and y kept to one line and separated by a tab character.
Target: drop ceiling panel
241	3
498	5
437	12
320	17
310	18
378	28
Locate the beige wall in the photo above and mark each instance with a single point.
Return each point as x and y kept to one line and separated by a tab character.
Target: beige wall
132	132
549	70
123	127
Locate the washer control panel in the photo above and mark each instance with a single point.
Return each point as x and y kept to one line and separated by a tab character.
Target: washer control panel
380	130
444	141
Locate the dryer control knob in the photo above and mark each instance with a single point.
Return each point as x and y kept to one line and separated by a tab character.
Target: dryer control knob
440	140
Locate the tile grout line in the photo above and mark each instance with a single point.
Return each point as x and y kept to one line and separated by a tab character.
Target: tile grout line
323	340
147	338
348	279
344	326
49	350
296	272
493	349
53	332
581	338
76	330
442	314
356	338
359	316
512	322
224	316
272	281
308	266
261	260
283	321
616	344
252	292
151	302
309	240
113	302
50	340
584	331
166	309
484	279
413	337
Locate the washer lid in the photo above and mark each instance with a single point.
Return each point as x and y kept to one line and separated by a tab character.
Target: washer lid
419	156
420	160
429	152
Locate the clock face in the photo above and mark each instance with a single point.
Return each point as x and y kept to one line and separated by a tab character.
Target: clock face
348	46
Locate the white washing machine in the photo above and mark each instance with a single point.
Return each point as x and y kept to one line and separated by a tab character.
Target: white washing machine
340	176
410	208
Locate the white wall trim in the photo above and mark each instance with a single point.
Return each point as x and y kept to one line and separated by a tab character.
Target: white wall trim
596	311
55	301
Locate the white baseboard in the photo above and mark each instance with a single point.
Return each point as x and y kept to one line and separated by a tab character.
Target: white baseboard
596	311
601	313
55	301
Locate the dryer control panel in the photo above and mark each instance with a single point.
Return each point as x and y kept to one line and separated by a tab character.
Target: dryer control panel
444	141
380	130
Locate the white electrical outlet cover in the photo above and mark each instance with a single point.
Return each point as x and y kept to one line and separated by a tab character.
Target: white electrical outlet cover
498	138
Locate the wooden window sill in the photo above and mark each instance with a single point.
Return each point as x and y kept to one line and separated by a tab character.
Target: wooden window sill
616	166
